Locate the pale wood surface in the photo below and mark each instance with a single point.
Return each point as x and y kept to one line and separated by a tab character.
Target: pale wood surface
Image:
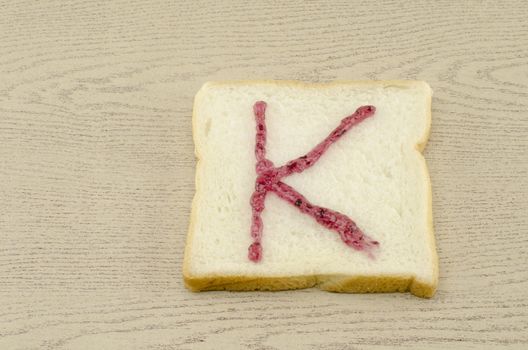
97	166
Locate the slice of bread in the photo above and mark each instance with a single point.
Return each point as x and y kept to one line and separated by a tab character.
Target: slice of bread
374	174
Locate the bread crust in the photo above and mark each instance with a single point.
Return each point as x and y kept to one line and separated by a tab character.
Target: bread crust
332	283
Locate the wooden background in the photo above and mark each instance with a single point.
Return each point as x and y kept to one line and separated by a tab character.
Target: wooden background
97	167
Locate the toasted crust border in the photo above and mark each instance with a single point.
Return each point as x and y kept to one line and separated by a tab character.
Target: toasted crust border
332	283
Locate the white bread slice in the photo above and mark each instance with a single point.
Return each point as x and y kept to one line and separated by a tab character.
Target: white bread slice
375	174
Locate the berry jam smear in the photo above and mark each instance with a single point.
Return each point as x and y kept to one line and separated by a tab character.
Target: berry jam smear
269	180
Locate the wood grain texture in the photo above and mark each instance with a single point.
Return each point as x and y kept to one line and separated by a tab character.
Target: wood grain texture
97	167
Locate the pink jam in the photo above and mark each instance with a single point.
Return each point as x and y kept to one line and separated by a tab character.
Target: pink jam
269	180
